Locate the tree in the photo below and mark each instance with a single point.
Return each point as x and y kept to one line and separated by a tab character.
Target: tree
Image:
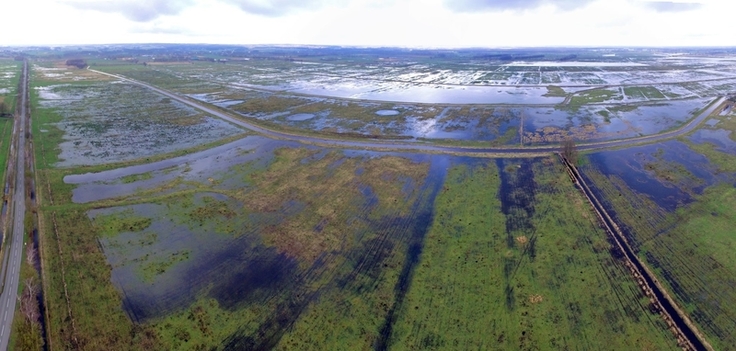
3	108
31	255
28	304
569	150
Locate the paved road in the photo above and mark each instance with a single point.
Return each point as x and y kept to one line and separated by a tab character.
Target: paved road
415	146
12	261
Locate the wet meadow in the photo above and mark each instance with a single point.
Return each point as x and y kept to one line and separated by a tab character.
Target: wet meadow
675	202
9	76
356	101
166	228
233	251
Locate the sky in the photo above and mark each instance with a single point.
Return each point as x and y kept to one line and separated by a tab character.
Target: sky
402	23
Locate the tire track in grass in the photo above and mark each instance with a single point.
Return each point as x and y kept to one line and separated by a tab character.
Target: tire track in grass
422	216
288	312
386	240
381	226
391	228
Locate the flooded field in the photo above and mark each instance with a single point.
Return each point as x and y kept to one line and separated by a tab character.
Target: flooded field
105	122
391	79
675	202
9	73
496	124
168	228
229	248
337	99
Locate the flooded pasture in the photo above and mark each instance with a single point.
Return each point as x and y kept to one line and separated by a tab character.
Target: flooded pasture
675	206
496	124
110	122
720	137
263	243
667	173
242	238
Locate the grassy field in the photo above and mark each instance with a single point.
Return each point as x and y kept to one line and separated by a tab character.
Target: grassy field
6	133
8	84
309	248
505	268
594	96
555	91
348	230
345	268
9	79
691	249
103	122
157	75
643	93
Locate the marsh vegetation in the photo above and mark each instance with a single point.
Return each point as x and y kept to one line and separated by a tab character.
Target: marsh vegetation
166	228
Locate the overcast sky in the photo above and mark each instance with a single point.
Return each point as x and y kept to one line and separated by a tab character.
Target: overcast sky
412	23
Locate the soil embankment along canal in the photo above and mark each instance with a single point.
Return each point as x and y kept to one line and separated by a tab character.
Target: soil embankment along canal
686	332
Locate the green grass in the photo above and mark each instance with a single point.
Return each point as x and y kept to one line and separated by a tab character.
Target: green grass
555	91
6	133
605	114
113	224
593	96
723	161
270	104
551	286
136	177
6	123
622	108
479	286
205	322
644	93
164	76
671	172
11	84
100	323
162	263
690	250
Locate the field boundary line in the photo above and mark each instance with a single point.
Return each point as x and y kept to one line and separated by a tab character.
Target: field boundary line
63	279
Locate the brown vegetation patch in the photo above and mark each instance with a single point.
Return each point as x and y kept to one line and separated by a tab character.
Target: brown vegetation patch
68	74
535	299
551	134
357	111
270	104
330	188
425	112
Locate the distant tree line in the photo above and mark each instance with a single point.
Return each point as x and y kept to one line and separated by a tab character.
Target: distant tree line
79	63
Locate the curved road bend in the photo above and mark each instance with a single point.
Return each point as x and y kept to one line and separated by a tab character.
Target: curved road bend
396	145
13	257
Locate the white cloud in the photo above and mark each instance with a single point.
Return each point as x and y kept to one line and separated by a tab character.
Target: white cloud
414	23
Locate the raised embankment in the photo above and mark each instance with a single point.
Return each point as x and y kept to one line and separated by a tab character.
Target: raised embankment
687	334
